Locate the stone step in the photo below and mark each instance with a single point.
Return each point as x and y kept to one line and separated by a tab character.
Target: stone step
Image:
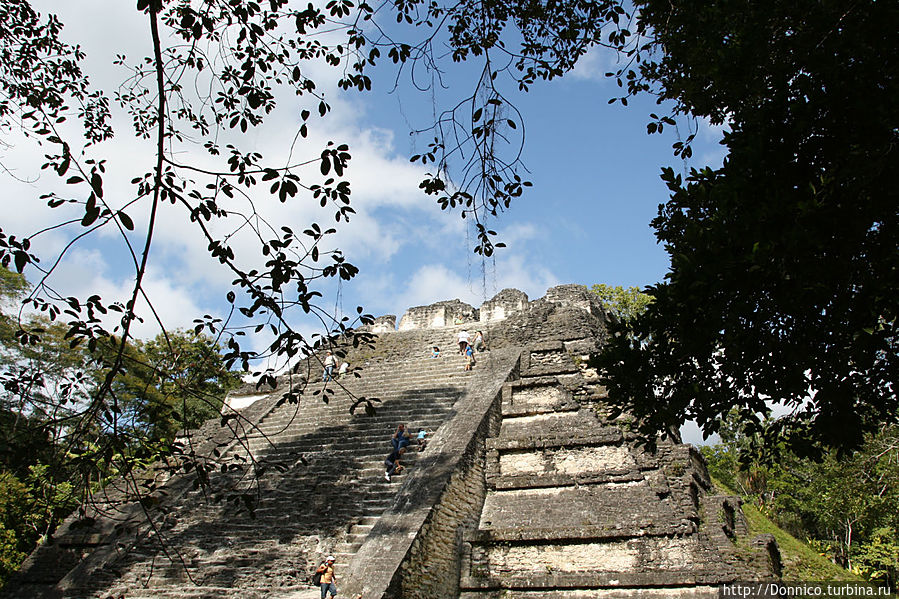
572	512
565	465
361	529
208	592
300	430
554	430
540	370
348	547
310	443
644	561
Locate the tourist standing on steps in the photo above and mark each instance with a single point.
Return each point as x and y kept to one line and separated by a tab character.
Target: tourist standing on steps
479	344
463	341
435	352
469	358
330	364
344	368
329	579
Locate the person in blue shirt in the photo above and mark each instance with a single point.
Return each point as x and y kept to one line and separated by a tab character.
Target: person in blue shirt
401	437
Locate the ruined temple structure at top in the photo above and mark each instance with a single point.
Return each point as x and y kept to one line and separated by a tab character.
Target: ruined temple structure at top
527	488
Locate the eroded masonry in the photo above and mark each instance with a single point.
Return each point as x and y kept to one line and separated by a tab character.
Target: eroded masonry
527	488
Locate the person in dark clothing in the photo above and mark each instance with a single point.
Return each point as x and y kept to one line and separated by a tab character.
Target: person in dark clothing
393	462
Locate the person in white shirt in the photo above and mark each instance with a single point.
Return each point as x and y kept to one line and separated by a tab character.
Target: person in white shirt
463	341
330	364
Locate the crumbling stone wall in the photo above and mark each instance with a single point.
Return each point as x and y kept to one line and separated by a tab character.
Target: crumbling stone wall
383	324
440	314
575	296
503	305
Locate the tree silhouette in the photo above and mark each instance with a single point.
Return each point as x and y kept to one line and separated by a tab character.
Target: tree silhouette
784	260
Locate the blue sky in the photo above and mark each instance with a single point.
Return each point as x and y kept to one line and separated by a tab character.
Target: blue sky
586	220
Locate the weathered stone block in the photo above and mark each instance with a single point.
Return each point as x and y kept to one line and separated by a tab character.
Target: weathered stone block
504	304
440	314
575	296
383	324
631	508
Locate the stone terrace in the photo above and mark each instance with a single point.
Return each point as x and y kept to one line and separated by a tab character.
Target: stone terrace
574	508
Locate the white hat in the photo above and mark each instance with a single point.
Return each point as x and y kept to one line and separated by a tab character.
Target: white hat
330	558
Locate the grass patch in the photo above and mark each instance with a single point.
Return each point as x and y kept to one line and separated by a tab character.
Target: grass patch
801	563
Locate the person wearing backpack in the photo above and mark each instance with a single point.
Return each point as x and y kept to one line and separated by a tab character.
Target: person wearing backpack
325	577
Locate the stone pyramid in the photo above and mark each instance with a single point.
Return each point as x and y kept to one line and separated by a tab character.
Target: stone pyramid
525	489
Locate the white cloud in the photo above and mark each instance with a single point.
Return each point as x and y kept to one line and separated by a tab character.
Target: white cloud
473	283
515	235
594	65
383	184
519	272
436	282
86	272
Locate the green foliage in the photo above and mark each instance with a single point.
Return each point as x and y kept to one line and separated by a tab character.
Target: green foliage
30	507
10	556
174	381
784	261
878	559
801	561
846	506
723	466
12	286
626	304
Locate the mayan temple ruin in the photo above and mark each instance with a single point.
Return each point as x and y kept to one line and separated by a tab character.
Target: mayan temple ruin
526	489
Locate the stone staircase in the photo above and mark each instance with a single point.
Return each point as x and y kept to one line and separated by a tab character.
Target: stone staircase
300	481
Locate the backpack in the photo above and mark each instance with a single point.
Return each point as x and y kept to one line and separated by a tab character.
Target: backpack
317	578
